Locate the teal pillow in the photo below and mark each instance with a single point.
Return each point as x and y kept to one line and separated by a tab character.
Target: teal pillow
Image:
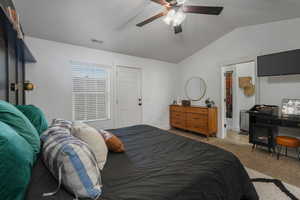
11	116
16	161
35	116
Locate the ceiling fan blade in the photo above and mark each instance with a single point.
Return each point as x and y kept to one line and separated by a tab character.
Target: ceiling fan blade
177	29
151	19
161	2
207	10
129	18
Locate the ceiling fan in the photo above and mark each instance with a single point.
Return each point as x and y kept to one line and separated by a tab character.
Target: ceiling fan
175	13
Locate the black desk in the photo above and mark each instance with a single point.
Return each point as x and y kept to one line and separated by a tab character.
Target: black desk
263	128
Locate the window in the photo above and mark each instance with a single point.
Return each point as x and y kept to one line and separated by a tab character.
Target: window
91	92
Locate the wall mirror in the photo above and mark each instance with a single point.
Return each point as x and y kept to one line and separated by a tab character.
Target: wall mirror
195	89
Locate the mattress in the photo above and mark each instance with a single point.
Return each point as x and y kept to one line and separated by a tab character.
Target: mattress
159	165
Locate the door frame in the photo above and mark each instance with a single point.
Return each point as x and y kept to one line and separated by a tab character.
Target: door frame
225	67
116	104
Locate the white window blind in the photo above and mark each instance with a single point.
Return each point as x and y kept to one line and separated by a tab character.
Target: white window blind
91	92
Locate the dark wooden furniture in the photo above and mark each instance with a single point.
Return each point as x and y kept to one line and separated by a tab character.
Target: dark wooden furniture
201	120
263	127
14	54
262	131
285	141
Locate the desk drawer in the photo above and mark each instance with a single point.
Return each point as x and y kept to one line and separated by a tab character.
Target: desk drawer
293	124
268	121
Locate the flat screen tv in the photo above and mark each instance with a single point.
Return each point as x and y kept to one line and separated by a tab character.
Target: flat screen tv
277	64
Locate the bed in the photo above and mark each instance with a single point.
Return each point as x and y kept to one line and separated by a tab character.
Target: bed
159	165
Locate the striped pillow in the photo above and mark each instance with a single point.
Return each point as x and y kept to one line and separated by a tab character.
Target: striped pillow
62	123
72	162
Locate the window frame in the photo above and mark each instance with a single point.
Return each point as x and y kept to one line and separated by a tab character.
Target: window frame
108	90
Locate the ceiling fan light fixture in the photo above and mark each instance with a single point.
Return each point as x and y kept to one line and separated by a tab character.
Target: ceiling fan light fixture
170	16
175	13
179	18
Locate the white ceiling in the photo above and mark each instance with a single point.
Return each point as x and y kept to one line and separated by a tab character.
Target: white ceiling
113	21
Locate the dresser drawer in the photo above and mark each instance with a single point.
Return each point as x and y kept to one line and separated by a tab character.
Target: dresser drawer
197	120
177	108
197	127
197	117
178	123
196	123
178	115
197	110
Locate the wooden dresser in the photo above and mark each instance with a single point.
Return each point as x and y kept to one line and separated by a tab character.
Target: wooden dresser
198	119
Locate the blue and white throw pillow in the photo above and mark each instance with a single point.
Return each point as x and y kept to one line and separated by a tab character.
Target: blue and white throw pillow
72	162
62	123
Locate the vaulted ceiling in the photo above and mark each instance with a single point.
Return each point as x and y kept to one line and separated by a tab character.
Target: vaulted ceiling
113	21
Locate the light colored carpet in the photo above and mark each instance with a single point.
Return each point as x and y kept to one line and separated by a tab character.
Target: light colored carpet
268	191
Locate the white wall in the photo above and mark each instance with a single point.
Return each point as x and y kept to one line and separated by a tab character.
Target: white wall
244	44
280	87
52	76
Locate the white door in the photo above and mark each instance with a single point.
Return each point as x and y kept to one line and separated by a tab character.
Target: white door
129	97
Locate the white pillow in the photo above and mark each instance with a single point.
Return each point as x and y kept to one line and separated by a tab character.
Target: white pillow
93	139
72	163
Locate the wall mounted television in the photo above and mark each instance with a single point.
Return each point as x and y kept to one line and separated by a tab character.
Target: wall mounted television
277	64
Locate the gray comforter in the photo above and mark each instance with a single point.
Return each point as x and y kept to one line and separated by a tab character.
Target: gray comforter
159	165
